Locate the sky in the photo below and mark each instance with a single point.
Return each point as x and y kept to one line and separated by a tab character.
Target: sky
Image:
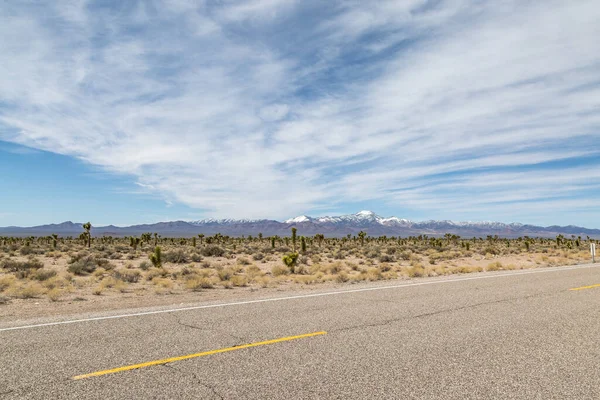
125	112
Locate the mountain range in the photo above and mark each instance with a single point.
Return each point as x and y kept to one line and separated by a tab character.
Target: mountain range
334	226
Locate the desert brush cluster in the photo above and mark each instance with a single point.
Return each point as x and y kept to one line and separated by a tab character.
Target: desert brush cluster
75	268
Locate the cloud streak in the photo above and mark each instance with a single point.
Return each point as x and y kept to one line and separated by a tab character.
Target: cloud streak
275	108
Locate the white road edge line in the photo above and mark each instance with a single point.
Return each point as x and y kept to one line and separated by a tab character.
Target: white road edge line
303	296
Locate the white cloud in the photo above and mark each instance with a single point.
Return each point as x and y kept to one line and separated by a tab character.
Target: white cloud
317	106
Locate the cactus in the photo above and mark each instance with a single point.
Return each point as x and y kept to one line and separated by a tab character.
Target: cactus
87	227
294	230
156	257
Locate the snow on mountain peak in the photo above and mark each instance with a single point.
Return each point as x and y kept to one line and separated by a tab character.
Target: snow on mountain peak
365	213
301	218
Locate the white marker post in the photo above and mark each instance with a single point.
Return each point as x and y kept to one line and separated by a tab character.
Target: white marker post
593	251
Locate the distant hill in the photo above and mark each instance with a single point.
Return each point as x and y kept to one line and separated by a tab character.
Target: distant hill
334	226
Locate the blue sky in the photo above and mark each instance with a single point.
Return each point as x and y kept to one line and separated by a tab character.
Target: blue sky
142	111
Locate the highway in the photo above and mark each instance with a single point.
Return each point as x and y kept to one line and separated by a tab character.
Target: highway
502	335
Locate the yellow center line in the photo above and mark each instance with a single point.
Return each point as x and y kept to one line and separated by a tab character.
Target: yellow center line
187	357
587	287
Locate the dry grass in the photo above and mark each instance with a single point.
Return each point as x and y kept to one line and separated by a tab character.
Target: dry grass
112	268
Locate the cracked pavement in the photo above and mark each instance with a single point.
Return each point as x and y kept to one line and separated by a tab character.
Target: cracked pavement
510	336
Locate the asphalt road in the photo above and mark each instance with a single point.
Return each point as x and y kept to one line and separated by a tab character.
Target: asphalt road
500	335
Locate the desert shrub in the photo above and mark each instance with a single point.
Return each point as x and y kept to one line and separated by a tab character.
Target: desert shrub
177	257
334	268
43	274
54	294
17	266
465	269
7	281
27	250
386	258
127	275
306	279
83	266
225	274
264	281
342	277
385	267
99	272
243	261
103	262
239	280
258	256
391	250
196	283
109	282
405	255
253	271
213	251
489	250
374	274
154	272
22	269
373	253
56	282
303	260
29	290
145	265
278	270
415	271
339	255
196	257
495	266
4	300
163	283
352	266
186	271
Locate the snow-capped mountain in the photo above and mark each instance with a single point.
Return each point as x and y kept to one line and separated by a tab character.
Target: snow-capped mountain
332	226
376	225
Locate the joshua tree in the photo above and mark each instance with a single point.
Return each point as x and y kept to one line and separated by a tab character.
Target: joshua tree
201	236
303	244
362	235
156	258
54	240
146	237
134	242
320	237
88	227
294	230
272	242
290	261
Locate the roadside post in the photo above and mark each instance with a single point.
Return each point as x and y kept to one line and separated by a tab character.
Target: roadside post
593	251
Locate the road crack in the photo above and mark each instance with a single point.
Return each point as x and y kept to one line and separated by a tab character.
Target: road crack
444	311
196	380
237	338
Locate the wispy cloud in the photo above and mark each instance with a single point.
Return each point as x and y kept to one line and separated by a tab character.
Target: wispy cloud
272	108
